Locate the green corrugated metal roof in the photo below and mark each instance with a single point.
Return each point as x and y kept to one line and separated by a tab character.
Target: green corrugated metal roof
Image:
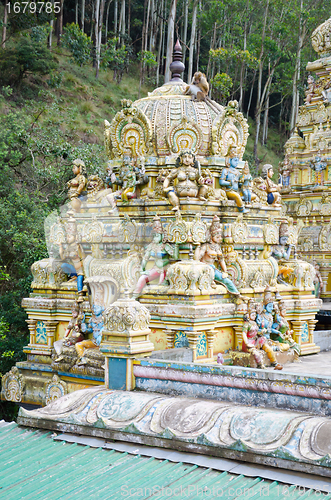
34	466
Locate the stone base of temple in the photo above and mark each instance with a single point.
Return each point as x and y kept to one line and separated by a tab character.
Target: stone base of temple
246	359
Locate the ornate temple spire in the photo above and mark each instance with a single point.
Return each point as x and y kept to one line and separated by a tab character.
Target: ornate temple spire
177	67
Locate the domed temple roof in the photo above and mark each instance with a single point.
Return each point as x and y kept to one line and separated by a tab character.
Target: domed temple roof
169	121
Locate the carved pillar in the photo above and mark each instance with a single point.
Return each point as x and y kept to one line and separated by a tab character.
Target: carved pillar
50	332
210	343
311	326
32	329
193	342
297	330
170	335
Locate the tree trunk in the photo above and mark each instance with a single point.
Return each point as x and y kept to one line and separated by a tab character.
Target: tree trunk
49	41
192	42
259	88
102	10
159	52
107	19
170	39
82	14
129	18
4	27
121	28
96	36
297	70
185	29
76	11
59	24
115	17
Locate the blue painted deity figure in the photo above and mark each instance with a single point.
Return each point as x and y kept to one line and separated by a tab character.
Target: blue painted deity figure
229	179
318	166
246	183
95	326
265	322
211	251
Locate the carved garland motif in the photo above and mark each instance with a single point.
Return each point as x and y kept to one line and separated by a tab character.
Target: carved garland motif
124	318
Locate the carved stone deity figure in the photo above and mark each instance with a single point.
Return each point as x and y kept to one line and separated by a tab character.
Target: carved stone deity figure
311	88
318	281
285	169
265	321
246	184
272	189
160	251
282	252
229	179
73	333
211	251
126	180
139	169
72	254
190	182
77	185
95	326
318	166
282	326
252	340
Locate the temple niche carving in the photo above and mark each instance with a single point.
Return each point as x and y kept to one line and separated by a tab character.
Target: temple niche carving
306	190
177	245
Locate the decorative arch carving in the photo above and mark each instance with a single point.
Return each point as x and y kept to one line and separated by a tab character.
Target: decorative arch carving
130	132
230	128
184	136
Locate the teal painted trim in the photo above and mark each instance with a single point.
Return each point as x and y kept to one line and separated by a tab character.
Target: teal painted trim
117	373
26	365
78	375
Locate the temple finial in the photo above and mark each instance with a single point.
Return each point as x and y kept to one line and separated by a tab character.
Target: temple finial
177	67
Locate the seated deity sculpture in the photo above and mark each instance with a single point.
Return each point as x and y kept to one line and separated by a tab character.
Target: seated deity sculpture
190	182
95	326
160	251
77	185
282	326
229	179
211	251
73	333
271	188
282	252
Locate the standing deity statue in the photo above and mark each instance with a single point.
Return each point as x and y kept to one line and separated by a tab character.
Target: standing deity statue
76	186
160	251
229	179
310	91
190	182
73	333
246	184
318	166
72	253
265	321
285	169
95	326
211	251
318	281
